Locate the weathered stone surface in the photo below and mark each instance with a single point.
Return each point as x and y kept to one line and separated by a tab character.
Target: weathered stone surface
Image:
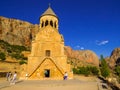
81	57
9	66
17	32
114	58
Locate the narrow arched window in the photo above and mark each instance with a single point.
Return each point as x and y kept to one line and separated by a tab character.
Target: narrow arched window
30	36
51	23
0	31
11	27
42	24
46	23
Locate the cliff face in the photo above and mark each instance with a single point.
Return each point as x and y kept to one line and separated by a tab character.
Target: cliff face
114	58
17	32
81	57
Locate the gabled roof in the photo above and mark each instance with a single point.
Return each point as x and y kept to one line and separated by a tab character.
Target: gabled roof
49	11
53	61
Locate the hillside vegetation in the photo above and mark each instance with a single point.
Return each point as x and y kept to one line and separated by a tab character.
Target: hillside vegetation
13	51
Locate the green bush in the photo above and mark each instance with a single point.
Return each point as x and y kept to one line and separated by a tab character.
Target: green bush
94	70
18	56
2	56
88	70
75	71
84	71
18	49
117	70
22	62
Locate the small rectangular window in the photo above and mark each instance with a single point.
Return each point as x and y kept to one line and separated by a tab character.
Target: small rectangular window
47	53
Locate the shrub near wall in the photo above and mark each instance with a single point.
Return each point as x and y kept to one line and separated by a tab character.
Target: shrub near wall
88	70
3	74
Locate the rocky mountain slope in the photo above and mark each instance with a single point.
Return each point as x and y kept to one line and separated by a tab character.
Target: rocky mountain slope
17	32
114	58
81	57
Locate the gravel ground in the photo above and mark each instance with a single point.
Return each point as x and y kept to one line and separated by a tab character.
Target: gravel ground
78	83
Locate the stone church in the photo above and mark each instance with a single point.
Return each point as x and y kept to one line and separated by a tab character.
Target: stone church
47	59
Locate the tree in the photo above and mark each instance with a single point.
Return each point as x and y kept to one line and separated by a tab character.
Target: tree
105	72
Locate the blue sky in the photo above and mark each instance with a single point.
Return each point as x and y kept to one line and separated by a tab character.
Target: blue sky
85	24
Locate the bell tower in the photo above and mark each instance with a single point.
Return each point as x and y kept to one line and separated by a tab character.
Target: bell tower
49	18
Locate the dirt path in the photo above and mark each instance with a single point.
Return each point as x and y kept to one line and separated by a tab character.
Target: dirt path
78	83
52	85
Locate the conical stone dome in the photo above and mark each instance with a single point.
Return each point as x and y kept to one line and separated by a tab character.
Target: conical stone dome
49	11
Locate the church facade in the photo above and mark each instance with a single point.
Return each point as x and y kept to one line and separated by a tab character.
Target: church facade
47	59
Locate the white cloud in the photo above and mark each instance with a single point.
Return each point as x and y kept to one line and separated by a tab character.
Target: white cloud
102	42
79	47
82	48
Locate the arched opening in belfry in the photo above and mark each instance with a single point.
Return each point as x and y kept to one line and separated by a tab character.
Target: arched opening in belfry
51	23
30	36
42	24
46	23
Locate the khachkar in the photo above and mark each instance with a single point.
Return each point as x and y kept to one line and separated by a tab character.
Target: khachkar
47	59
